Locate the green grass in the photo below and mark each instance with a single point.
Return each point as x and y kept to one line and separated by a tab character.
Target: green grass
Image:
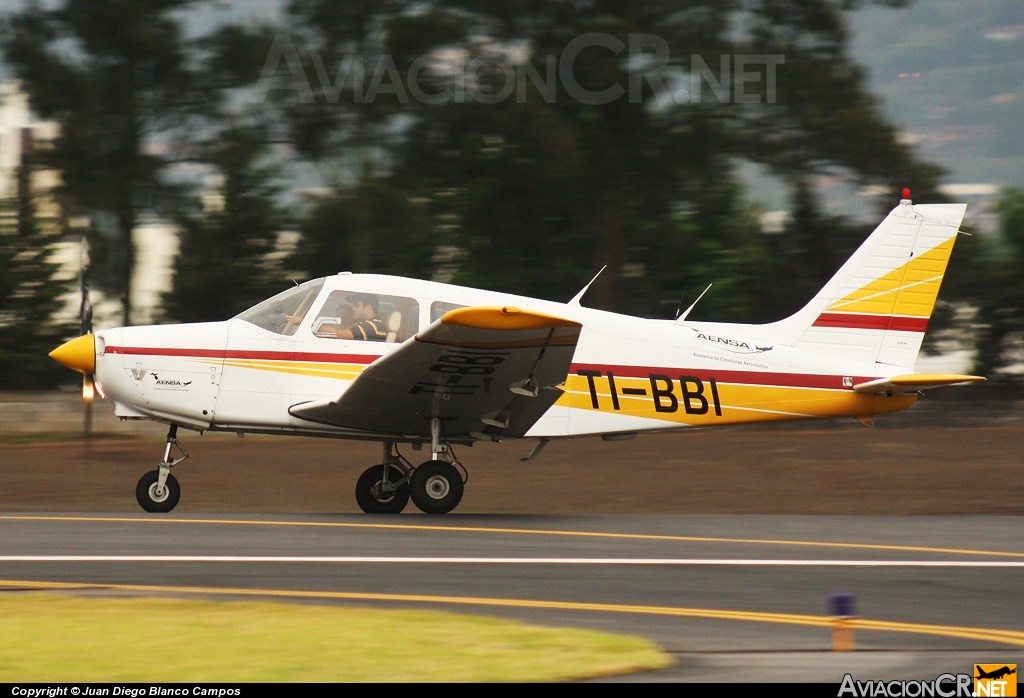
51	637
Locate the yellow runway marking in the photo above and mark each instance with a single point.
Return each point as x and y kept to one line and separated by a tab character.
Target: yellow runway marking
1008	637
538	532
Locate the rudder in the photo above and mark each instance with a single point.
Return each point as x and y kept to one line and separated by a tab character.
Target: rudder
877	306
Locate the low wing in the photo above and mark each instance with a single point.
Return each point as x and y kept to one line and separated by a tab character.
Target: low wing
913	382
482	371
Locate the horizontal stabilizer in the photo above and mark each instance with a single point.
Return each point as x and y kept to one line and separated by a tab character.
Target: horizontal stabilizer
913	382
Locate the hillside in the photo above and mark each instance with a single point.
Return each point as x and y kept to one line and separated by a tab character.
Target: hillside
949	74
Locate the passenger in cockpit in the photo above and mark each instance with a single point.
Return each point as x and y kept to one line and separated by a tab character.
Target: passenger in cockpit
368	325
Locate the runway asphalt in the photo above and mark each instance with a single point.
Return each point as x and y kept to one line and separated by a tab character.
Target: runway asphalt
732	598
921	525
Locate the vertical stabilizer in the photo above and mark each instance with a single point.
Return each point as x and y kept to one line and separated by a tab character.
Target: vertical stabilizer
877	306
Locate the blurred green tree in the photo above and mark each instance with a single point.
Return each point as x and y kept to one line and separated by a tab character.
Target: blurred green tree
228	232
520	146
357	229
543	141
998	293
115	75
30	294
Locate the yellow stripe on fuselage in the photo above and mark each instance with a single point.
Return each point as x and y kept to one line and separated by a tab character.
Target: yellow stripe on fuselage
728	403
300	368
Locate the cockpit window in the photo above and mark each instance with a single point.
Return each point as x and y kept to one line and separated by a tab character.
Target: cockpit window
439	308
396	318
284	312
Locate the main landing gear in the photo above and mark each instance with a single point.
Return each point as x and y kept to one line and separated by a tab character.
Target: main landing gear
435	486
158	491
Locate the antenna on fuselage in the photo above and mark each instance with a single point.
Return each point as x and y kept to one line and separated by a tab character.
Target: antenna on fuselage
679	306
682	318
576	299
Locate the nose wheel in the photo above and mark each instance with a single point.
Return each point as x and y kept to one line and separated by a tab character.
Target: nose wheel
154	497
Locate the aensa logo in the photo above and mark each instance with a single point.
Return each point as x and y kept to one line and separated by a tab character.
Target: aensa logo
737	346
995	680
170	384
689	393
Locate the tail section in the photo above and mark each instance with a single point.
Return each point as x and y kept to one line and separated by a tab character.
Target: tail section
877	306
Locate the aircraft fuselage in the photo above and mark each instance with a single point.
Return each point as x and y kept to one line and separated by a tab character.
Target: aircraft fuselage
627	374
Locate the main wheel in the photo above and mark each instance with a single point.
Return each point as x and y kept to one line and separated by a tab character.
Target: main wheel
436	487
373	499
156	500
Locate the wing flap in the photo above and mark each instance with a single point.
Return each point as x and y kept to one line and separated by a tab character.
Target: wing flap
481	370
914	382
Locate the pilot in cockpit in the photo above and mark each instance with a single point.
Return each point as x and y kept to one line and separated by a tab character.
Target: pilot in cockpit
356	321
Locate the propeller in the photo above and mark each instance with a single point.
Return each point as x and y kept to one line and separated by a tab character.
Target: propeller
79	354
85	315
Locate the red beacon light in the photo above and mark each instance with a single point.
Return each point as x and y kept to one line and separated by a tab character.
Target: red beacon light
906	193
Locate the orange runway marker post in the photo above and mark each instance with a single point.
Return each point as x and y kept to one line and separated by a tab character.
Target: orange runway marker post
841	606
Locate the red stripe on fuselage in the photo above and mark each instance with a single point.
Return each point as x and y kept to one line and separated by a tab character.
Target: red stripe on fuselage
239	354
872	322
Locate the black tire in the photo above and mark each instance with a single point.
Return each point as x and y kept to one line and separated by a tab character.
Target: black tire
436	487
153	502
368	494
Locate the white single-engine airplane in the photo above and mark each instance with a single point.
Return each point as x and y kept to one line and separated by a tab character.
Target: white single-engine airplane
460	365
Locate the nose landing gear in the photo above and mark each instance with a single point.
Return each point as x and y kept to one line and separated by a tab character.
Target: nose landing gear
158	491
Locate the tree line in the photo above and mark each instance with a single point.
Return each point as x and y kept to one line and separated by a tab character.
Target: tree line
517	145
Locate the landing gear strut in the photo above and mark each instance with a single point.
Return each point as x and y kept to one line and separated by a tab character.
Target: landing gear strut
384	488
158	491
437	485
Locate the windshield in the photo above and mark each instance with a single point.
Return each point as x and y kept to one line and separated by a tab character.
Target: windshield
283	313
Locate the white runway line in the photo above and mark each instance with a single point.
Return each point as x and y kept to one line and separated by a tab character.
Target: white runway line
681	562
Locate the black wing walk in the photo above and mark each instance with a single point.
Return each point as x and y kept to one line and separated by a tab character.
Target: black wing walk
484	371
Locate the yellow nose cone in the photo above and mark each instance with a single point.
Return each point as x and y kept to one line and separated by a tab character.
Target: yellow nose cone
79	354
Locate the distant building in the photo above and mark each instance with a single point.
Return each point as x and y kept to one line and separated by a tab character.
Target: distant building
980	200
775	222
20	135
